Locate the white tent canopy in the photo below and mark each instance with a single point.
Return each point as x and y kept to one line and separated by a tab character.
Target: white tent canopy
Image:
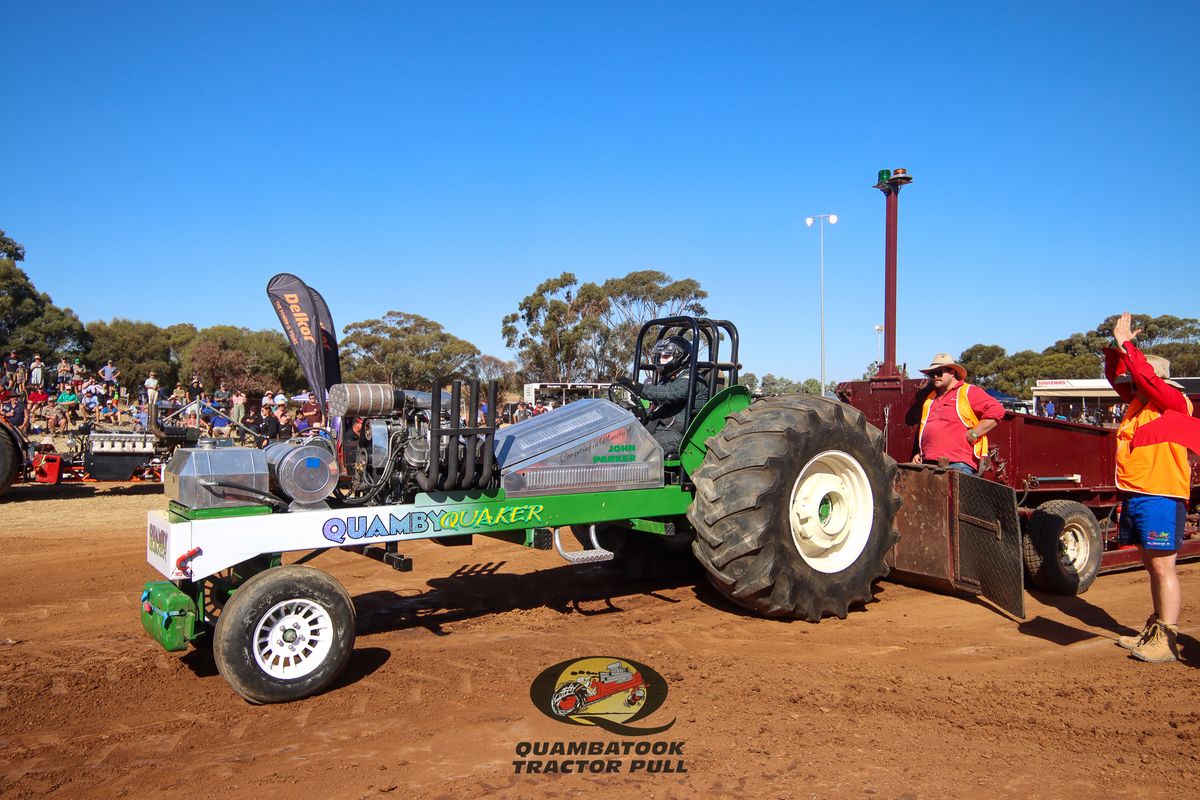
1073	387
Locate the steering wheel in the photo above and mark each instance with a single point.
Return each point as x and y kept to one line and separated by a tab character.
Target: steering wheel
620	396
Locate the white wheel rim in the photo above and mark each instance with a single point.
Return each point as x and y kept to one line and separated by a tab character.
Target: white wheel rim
1074	548
292	639
832	511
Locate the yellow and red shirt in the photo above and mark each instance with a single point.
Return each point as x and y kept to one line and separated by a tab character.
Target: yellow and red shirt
1158	469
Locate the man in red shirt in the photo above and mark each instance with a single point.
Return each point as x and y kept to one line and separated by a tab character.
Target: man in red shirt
955	418
310	412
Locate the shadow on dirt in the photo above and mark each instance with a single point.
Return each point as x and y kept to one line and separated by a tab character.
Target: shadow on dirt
25	492
1076	606
1060	634
1189	651
363	661
1094	617
1073	606
200	660
480	589
477	590
1054	632
707	594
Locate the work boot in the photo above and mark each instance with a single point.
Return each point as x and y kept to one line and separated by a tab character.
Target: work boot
1130	642
1160	646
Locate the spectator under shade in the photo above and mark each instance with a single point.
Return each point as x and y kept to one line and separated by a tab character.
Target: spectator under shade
310	414
13	410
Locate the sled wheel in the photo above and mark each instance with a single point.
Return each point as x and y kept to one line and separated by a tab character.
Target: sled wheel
286	633
795	507
1063	547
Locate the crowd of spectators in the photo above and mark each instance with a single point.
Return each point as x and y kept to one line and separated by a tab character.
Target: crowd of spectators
1091	415
519	412
37	398
232	413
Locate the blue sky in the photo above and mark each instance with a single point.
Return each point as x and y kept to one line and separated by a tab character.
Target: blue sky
163	160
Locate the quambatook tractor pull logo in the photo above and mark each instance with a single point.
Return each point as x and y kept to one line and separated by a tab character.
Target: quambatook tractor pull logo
603	691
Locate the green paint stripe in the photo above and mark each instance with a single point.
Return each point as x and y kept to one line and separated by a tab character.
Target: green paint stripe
181	513
459	513
648	526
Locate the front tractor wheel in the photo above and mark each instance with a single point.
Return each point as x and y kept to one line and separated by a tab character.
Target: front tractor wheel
286	633
795	508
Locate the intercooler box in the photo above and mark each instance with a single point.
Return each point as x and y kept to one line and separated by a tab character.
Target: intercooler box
585	446
216	477
117	456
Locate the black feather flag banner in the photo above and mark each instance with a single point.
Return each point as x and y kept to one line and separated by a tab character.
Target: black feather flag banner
329	343
309	330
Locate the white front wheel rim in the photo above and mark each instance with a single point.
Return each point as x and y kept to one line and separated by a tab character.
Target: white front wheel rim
292	639
832	511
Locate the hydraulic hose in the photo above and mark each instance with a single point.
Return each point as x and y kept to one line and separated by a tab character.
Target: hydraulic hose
266	497
374	489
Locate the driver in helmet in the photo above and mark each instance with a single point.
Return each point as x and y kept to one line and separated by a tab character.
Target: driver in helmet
668	393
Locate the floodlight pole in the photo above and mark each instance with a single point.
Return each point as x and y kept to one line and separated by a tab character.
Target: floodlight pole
821	225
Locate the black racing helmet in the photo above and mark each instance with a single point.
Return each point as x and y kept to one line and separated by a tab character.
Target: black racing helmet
670	355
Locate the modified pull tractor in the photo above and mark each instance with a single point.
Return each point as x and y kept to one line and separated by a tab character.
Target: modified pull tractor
788	503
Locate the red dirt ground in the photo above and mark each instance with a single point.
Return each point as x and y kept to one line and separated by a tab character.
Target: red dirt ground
920	695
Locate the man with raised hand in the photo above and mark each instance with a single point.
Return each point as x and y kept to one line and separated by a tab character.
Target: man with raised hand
1155	482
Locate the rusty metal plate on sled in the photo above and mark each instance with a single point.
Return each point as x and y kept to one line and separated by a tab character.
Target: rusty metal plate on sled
923	554
989	541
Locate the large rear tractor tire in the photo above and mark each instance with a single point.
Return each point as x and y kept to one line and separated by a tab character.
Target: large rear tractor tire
1063	547
10	460
795	508
286	633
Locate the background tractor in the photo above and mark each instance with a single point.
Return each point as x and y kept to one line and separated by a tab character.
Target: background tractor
13	455
91	453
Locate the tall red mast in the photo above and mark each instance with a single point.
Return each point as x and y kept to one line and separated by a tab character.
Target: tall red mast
890	183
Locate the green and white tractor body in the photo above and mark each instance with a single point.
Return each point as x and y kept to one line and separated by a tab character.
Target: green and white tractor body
787	503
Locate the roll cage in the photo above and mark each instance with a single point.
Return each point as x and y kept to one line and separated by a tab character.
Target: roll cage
706	364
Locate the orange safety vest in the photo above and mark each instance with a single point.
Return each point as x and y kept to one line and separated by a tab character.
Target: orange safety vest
966	415
1158	469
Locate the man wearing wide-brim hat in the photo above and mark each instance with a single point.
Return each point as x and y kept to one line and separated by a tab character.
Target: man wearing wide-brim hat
1155	484
955	418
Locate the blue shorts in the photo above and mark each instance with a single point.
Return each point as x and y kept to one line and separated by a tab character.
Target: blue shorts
1152	522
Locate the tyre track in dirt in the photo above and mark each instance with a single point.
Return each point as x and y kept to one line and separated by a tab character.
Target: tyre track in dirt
919	695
